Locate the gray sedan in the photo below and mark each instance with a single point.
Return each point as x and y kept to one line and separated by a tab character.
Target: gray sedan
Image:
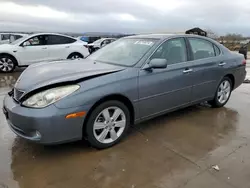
131	80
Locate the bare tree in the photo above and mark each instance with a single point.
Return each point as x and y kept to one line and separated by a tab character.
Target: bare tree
211	34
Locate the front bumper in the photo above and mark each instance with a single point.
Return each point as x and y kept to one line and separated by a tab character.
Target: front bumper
47	125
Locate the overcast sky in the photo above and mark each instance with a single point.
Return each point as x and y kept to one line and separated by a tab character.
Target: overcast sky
126	16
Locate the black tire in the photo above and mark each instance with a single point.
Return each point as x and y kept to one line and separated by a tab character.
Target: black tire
215	103
75	56
89	132
7	63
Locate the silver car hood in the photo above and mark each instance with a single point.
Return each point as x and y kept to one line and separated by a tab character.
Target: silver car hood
48	73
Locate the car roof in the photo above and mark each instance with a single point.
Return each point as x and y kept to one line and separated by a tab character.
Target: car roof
35	34
165	36
151	36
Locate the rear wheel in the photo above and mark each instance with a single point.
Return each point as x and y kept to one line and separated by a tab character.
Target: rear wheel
75	56
223	93
7	63
107	124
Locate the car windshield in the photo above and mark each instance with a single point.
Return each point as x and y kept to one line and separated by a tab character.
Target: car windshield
124	52
19	40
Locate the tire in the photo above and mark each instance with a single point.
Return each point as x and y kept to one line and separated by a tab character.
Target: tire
219	100
75	56
7	63
104	132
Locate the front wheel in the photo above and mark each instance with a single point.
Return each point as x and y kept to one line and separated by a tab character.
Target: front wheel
107	124
223	93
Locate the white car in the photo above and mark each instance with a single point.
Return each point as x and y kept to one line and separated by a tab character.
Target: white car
99	44
6	38
40	47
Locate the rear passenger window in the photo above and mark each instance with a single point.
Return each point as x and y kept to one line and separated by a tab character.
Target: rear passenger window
217	50
56	39
201	48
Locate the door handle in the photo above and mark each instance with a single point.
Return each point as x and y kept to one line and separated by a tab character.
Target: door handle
67	47
44	48
222	63
187	71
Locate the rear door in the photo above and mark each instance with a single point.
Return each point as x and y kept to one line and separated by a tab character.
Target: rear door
59	46
161	90
208	67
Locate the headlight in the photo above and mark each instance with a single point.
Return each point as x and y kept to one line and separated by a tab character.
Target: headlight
50	96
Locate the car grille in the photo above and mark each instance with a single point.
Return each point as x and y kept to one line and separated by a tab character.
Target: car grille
17	94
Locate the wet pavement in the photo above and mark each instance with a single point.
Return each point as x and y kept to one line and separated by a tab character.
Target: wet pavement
174	150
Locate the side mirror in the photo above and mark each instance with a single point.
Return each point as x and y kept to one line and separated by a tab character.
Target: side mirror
156	64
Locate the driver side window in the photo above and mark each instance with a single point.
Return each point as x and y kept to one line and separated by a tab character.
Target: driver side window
173	50
36	41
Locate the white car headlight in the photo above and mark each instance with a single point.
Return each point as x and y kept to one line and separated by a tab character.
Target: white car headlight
50	96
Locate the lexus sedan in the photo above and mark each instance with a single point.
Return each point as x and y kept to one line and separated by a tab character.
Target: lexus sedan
40	47
131	80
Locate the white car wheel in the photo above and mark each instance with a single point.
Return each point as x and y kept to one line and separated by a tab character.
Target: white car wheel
7	64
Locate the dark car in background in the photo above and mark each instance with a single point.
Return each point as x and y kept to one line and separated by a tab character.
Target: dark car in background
129	81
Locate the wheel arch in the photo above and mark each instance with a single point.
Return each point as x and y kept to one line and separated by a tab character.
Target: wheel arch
12	56
117	97
75	52
231	77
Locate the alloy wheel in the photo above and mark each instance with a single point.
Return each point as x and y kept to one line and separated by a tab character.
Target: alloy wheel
109	125
6	64
224	91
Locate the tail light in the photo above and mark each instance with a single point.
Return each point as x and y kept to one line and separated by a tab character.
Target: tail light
244	62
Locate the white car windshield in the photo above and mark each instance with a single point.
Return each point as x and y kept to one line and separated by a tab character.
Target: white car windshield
124	52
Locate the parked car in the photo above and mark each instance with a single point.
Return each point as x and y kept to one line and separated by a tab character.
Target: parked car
89	39
6	38
99	44
40	47
131	80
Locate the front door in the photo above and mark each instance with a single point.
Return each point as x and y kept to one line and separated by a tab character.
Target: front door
161	90
33	50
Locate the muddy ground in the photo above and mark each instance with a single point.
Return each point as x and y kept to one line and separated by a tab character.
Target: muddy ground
175	150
